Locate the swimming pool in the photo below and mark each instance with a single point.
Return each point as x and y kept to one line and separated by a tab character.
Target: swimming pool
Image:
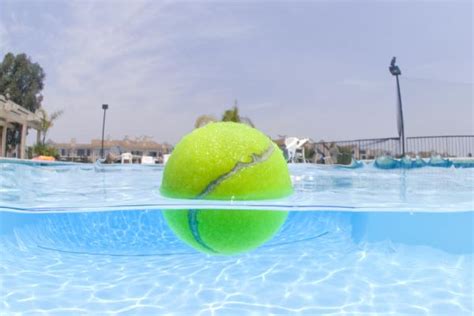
77	239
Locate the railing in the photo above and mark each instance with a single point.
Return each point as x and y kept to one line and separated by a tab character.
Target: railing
445	146
423	146
369	148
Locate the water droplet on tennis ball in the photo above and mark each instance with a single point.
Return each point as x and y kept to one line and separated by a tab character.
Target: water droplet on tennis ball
224	161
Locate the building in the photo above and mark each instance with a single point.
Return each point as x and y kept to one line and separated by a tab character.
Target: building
15	121
90	152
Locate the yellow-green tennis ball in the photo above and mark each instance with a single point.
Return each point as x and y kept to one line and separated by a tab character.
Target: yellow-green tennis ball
225	232
225	161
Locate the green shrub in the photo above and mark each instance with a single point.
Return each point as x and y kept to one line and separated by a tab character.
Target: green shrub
345	155
45	150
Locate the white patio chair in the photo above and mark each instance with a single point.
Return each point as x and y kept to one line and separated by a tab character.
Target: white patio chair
148	160
295	148
126	158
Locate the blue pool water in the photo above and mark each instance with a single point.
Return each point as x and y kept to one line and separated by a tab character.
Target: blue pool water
91	239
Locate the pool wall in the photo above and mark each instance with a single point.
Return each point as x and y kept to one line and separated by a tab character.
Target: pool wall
449	231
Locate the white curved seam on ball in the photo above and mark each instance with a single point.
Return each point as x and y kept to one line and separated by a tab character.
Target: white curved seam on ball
256	159
194	227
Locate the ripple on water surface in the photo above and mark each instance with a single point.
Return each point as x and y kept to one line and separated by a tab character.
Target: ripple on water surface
97	187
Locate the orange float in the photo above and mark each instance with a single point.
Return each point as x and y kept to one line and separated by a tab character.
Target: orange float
44	158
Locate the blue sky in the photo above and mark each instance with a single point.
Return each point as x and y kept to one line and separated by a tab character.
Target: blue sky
314	69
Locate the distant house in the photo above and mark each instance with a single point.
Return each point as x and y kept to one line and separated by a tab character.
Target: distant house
90	152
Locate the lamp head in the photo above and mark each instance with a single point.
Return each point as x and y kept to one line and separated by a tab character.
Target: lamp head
394	69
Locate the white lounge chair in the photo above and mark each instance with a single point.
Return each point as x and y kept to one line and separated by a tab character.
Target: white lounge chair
147	160
290	145
295	148
126	158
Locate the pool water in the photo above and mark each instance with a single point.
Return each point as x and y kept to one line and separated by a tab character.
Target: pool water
91	239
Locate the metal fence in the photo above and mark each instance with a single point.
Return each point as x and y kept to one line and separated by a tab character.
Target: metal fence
358	148
445	146
423	146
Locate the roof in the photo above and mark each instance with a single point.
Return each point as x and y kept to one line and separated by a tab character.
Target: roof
13	113
126	144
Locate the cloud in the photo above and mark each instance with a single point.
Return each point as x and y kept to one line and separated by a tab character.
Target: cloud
159	65
137	58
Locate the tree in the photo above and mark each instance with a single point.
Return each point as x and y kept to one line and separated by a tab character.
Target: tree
47	121
203	120
21	81
43	150
231	115
246	120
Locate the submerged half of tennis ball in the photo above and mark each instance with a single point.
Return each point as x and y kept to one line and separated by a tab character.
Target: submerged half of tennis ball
226	161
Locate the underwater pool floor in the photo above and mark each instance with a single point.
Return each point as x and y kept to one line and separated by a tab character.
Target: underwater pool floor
301	271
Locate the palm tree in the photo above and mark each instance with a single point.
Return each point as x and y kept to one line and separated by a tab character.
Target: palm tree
46	121
203	120
246	120
231	115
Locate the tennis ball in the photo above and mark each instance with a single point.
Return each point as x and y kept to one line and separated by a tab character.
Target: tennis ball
225	232
225	161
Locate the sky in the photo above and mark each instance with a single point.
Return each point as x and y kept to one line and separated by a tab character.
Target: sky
316	69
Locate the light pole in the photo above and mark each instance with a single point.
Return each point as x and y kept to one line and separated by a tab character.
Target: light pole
104	107
395	71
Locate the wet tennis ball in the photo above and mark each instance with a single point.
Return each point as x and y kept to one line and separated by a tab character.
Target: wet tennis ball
225	232
226	161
